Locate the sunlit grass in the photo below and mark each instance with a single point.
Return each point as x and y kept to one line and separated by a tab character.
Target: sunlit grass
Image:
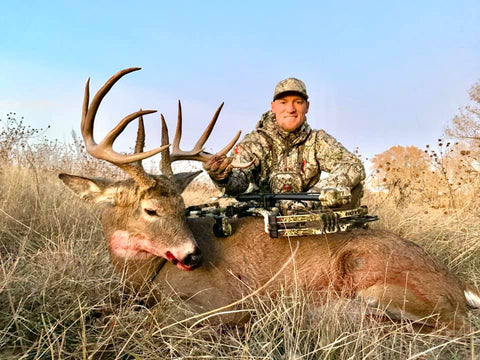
59	297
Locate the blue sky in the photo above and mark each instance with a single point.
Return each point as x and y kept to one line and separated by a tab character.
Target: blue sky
378	73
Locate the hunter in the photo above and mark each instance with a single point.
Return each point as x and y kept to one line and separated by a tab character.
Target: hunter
288	156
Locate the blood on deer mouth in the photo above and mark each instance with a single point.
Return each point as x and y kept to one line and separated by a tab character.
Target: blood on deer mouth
176	262
137	247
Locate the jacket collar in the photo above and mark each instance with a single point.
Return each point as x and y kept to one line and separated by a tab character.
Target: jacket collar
268	125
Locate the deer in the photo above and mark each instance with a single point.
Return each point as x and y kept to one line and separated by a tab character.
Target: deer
154	245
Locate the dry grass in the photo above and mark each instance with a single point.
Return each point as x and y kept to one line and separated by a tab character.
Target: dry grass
60	299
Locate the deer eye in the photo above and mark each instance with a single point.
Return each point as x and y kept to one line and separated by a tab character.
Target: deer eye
151	212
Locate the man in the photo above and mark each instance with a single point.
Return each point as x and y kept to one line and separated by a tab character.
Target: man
288	156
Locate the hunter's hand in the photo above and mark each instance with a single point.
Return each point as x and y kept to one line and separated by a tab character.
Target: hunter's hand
332	197
291	207
218	167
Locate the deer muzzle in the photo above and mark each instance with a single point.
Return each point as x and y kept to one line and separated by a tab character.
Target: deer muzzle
138	247
194	259
190	262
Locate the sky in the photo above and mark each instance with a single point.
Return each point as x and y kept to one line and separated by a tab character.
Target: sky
378	73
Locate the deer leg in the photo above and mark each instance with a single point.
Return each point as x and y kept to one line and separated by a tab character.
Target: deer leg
404	281
404	302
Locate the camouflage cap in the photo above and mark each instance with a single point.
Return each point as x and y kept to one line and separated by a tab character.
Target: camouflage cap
290	85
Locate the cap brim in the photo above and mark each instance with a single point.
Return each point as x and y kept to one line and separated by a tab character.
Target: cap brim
288	93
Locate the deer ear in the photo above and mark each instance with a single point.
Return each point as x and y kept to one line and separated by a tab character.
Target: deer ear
183	179
90	190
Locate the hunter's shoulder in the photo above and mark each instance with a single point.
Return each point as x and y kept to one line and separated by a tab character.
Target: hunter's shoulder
321	133
321	137
264	127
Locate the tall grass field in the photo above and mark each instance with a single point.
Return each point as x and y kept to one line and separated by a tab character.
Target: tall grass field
60	299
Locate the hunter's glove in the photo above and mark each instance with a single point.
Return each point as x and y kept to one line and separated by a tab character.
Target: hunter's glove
290	207
332	197
218	167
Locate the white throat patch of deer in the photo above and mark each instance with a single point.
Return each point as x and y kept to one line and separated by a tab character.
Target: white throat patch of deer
145	225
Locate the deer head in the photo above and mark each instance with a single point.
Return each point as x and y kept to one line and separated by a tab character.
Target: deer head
144	216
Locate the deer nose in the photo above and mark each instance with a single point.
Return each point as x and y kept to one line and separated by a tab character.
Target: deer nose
194	259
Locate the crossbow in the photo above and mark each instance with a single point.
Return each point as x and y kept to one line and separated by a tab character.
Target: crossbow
319	220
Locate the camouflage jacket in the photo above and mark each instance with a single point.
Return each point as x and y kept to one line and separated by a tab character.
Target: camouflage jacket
291	162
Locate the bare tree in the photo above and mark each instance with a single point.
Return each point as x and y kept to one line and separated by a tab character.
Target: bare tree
400	170
466	125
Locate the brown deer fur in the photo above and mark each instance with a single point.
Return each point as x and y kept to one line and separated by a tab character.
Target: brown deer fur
383	269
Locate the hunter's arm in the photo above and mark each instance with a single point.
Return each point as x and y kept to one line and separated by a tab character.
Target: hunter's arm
239	180
344	168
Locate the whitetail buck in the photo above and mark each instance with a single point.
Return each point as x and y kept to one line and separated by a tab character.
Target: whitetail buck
149	237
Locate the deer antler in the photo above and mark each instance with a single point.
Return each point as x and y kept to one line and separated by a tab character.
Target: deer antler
131	164
197	153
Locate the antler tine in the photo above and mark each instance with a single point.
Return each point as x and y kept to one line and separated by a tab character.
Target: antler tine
197	152
85	126
165	163
89	111
104	149
230	145
165	139
140	142
208	130
177	153
178	131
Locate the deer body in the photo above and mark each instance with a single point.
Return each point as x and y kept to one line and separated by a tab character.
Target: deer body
378	267
152	243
